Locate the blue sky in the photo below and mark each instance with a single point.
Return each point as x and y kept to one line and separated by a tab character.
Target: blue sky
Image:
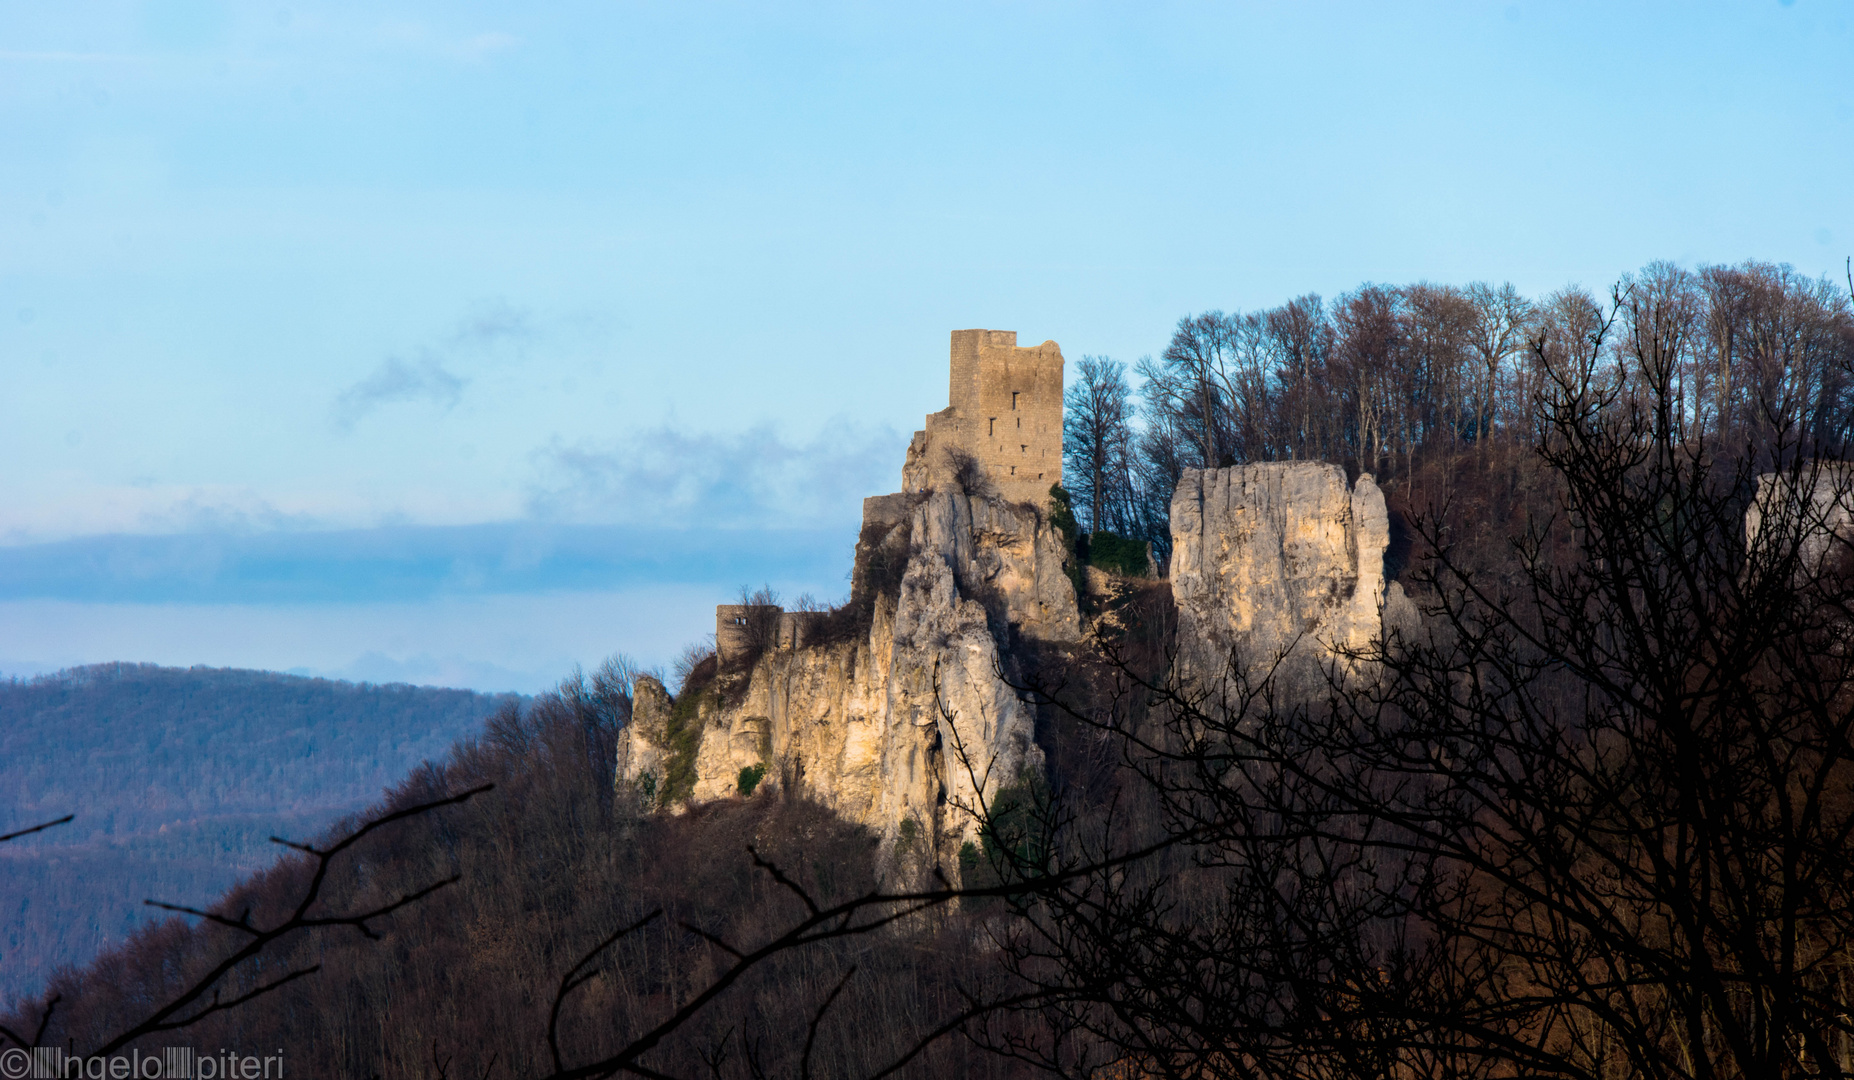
463	342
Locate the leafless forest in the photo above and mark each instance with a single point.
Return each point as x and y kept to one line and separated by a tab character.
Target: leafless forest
1590	818
1387	379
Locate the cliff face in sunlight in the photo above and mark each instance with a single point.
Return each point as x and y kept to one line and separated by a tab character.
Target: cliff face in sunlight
1280	562
896	711
891	711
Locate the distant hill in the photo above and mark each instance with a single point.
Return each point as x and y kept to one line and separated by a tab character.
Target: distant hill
177	777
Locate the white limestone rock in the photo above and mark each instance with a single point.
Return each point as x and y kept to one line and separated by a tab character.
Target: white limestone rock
911	720
1277	560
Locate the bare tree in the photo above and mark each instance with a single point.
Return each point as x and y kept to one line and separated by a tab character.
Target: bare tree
1367	358
239	975
40	827
1163	450
1189	382
1097	438
1776	348
1437	395
1501	330
1300	337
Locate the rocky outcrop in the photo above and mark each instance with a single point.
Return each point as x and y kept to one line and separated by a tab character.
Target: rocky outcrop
896	710
643	748
892	709
1805	515
1283	560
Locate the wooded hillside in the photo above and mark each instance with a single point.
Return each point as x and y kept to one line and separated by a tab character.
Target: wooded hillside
177	777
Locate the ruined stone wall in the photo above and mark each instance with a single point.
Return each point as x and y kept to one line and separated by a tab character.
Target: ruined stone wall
738	625
1005	411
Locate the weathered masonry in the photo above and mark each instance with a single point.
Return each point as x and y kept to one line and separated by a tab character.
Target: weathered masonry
743	629
892	710
1005	412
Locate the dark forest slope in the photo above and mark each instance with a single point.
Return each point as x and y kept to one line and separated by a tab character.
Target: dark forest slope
548	863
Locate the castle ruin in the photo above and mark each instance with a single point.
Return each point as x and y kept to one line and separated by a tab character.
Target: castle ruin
1005	415
744	629
895	709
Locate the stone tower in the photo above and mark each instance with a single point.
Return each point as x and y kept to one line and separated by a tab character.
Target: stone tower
1005	413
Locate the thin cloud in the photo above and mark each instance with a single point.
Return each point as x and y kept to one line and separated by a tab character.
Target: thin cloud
492	324
756	478
228	511
416	564
429	376
395	380
160	509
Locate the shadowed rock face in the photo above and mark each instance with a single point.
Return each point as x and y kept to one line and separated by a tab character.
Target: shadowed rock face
909	720
1806	515
1283	559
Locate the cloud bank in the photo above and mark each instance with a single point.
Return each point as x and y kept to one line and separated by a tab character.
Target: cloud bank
623	545
666	478
409	564
523	643
685	479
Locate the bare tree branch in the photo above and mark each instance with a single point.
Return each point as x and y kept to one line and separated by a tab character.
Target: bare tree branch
169	1016
36	828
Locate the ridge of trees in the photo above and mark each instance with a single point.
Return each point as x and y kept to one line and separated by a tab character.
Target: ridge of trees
1593	817
1379	376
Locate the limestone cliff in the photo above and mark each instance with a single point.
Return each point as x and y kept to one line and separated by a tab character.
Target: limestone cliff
890	710
1283	559
896	710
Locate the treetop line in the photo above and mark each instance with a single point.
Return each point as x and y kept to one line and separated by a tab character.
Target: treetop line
1381	376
